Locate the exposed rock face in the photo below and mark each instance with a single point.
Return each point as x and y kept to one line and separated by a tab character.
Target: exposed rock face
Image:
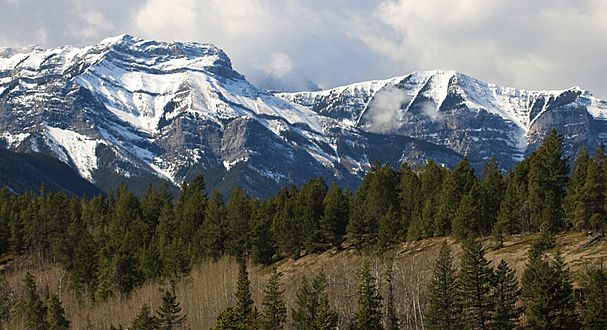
144	111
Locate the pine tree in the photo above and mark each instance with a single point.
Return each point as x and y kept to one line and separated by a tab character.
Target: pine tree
34	310
6	300
511	212
244	301
368	315
169	312
391	312
491	192
456	185
55	316
547	178
335	217
590	201
547	294
475	282
310	211
237	224
409	195
576	184
505	295
262	240
390	229
313	311
594	304
444	311
274	311
145	320
210	236
468	217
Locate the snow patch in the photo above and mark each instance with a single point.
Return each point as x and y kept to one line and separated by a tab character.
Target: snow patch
80	149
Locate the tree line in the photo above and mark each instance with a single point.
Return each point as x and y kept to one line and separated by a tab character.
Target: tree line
111	244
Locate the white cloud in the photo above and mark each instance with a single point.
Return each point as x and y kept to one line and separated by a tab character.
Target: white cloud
92	23
279	65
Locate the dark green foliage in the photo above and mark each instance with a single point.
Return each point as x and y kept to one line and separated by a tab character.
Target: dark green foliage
475	283
576	184
492	189
505	295
262	241
274	312
310	210
547	178
313	311
422	224
594	305
169	312
468	220
145	320
210	236
456	185
6	300
237	224
55	316
547	294
368	314
445	309
392	320
335	216
589	205
244	301
32	307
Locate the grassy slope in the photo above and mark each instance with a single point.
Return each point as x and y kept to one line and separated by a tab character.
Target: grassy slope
210	286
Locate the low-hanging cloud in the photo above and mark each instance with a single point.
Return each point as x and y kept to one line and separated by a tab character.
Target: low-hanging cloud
543	44
384	111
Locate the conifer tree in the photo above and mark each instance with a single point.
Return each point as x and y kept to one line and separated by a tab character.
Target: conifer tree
262	241
491	190
335	217
274	313
55	316
505	295
310	211
6	300
590	202
313	311
390	229
210	236
237	224
169	312
475	283
512	205
594	304
368	314
286	227
409	191
547	294
392	320
145	320
244	301
444	311
456	185
468	217
576	184
547	178
33	309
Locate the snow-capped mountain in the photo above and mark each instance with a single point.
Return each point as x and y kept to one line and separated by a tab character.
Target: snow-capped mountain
464	114
141	111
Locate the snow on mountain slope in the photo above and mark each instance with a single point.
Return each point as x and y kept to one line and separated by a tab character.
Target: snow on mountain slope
128	109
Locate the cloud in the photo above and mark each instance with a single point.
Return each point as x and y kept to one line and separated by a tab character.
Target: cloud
279	65
383	113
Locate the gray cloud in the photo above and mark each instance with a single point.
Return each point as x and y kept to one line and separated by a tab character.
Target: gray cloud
527	44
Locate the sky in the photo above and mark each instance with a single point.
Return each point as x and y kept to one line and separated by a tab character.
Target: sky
540	44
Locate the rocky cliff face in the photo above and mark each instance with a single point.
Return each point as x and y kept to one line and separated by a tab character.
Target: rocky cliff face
144	111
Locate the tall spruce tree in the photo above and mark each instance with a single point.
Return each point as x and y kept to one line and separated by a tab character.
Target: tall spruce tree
368	315
169	313
548	295
594	305
590	203
237	224
468	217
445	309
313	311
335	217
475	283
33	309
392	320
310	212
145	320
576	184
505	295
55	315
547	179
492	189
274	312
211	235
244	301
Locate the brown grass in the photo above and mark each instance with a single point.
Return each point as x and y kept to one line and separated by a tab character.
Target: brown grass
210	286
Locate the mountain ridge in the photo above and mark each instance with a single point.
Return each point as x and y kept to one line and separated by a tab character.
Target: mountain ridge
135	110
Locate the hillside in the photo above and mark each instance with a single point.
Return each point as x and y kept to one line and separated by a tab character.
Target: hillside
210	286
23	172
